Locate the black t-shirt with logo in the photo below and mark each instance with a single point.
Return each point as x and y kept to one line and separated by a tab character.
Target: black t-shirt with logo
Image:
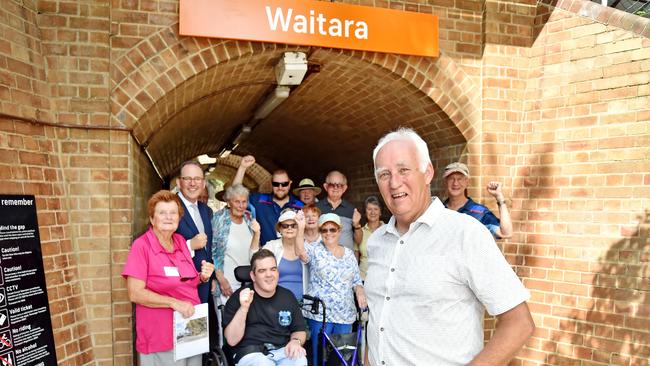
269	320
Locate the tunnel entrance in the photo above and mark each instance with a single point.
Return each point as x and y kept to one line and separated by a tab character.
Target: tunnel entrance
331	121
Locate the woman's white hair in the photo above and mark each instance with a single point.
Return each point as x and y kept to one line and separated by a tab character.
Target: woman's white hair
404	133
235	190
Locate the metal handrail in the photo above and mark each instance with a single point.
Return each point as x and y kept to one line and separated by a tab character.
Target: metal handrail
636	7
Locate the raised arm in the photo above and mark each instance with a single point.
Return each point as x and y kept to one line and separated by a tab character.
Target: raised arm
505	227
300	238
234	331
255	241
357	236
245	163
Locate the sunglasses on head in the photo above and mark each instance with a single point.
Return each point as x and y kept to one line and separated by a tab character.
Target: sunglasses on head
331	230
280	184
288	226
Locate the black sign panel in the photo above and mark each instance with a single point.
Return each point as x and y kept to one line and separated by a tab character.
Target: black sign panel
25	326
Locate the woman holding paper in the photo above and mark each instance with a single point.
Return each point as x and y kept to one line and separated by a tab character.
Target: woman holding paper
160	279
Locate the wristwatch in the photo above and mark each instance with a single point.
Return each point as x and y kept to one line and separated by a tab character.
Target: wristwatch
297	339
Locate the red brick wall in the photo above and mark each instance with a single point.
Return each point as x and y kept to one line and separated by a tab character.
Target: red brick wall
581	193
31	162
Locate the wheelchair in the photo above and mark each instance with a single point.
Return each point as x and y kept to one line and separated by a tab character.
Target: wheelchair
337	349
222	356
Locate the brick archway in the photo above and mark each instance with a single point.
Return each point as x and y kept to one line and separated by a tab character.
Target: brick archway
256	178
166	78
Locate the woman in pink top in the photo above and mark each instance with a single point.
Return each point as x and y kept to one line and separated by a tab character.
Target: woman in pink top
160	278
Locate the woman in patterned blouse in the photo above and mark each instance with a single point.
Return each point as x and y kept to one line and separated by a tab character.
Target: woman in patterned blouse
333	277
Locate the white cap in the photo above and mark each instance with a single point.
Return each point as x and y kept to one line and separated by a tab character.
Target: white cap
287	215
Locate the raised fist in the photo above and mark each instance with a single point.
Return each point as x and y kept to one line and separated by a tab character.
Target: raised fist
356	217
246	297
247	161
494	189
300	220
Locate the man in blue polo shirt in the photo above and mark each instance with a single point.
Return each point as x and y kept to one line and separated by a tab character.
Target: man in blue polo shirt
269	205
457	178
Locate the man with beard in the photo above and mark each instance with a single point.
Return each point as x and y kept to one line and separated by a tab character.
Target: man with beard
269	205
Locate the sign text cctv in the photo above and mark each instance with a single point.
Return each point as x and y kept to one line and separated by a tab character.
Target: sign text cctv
312	23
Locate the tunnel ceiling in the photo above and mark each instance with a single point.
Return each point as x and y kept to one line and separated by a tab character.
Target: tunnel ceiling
332	120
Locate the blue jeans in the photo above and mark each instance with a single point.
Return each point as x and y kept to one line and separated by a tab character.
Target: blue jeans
330	328
277	357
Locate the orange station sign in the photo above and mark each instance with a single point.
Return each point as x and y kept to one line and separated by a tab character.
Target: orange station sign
312	23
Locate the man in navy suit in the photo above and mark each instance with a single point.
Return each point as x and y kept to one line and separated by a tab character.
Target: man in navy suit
195	225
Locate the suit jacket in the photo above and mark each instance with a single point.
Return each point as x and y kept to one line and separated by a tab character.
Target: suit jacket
188	230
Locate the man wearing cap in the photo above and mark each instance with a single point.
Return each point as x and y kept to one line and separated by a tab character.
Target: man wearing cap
434	272
457	178
268	206
335	185
307	191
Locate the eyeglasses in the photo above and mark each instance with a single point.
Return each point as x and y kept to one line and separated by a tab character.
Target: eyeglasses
192	179
288	226
331	230
280	184
336	185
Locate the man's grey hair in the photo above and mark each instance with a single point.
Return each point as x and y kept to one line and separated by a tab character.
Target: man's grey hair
408	134
235	190
335	172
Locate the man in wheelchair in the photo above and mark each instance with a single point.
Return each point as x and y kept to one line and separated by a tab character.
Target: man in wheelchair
263	322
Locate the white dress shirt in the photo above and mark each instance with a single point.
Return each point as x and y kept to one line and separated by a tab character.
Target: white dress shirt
196	217
428	289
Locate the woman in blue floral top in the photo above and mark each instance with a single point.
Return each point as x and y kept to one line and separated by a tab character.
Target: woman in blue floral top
333	277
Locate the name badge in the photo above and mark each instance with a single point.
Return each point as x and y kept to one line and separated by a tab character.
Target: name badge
171	272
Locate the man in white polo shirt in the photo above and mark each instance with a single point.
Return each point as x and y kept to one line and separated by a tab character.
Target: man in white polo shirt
433	272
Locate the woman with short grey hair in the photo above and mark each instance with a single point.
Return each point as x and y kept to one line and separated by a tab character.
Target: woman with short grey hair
235	237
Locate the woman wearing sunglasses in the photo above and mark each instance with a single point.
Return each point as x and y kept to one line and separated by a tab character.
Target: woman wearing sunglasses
293	273
334	278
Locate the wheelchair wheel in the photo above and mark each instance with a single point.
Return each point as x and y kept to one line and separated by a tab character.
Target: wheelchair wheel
218	358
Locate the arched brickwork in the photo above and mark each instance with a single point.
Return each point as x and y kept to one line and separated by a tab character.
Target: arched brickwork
166	78
256	178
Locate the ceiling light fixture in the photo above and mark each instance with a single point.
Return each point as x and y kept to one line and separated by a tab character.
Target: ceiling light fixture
272	101
205	159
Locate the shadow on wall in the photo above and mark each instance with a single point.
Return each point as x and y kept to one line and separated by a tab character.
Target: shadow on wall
614	327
